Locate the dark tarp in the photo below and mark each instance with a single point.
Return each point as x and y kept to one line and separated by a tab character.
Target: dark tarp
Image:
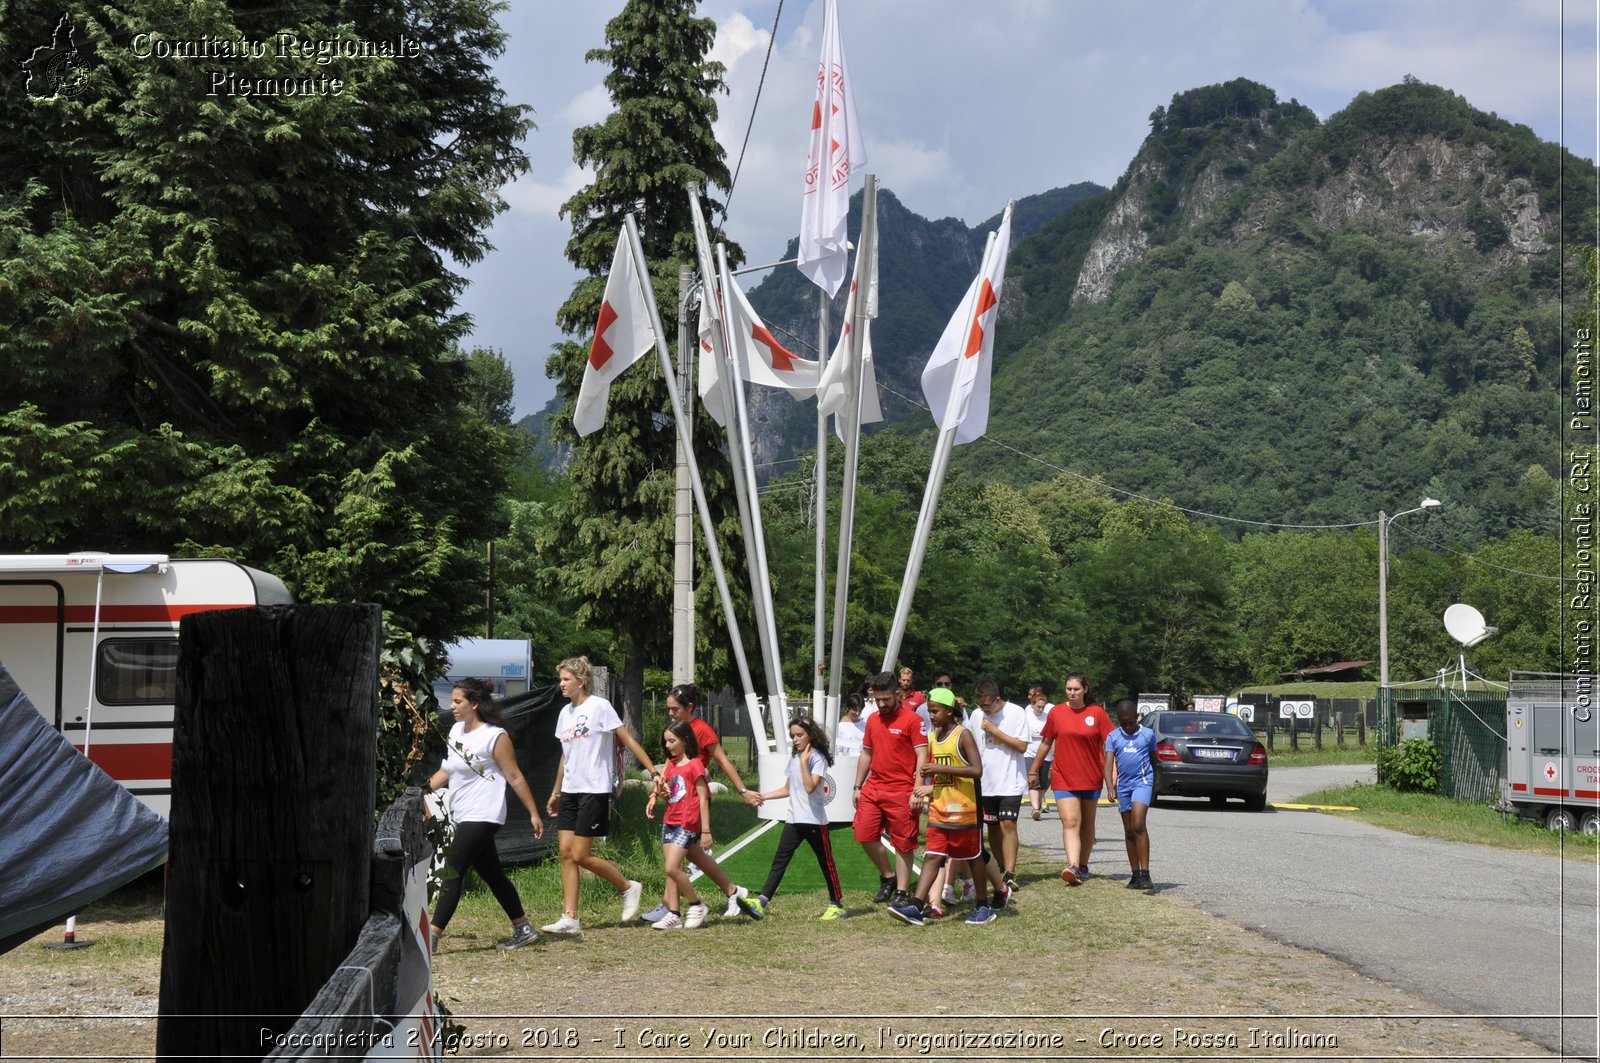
69	833
531	723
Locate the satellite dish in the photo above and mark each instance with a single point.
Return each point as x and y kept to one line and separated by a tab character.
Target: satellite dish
1466	625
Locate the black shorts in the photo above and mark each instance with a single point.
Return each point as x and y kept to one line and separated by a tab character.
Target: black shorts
1044	775
586	815
996	809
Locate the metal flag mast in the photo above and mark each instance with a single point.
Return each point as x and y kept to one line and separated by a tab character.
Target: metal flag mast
631	233
950	423
719	340
760	577
866	252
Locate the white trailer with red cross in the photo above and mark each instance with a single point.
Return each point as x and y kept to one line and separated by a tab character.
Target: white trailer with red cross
92	640
1553	749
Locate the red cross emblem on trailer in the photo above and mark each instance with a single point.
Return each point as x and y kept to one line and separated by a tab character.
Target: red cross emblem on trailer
1550	772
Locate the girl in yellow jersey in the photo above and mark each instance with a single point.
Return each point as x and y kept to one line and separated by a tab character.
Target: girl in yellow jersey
951	790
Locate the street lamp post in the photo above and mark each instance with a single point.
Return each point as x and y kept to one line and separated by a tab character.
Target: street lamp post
1383	585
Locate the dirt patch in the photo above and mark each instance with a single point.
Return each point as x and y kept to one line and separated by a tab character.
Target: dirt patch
1096	971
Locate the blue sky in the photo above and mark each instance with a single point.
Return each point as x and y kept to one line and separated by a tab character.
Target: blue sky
963	109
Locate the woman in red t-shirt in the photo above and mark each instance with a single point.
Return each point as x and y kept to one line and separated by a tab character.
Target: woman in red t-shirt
1077	732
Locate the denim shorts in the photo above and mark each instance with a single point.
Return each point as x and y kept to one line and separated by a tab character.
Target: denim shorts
684	837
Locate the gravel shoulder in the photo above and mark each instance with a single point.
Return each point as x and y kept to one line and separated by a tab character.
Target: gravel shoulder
1180	981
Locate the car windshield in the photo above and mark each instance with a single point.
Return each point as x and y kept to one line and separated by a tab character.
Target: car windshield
1215	724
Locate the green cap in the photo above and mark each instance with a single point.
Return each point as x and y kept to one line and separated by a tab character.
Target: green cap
942	696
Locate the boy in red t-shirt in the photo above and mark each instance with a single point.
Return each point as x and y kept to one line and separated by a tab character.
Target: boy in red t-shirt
893	752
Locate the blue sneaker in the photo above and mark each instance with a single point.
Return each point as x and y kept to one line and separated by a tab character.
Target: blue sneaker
909	913
656	914
1084	875
754	907
980	915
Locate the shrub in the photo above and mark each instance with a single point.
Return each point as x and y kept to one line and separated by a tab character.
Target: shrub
1413	765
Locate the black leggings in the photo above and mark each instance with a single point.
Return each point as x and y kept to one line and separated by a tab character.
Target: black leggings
817	835
473	847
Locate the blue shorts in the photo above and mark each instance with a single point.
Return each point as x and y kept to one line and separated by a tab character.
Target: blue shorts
680	836
1126	799
1081	795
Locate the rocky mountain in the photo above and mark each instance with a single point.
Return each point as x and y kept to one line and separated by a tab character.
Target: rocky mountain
1269	317
1282	320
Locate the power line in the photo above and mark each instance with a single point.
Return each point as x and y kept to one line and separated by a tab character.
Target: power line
1143	498
1487	564
753	105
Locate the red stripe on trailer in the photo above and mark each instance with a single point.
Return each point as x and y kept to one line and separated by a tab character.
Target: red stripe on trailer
1521	786
109	614
133	760
1586	793
1546	791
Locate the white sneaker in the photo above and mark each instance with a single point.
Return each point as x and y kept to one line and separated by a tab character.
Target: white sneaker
733	902
695	915
630	900
669	921
950	896
567	924
969	890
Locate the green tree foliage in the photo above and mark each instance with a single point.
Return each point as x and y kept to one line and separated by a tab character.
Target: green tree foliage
614	532
227	320
241	304
1305	599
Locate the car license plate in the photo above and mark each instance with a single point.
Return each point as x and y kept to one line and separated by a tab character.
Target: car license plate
1205	753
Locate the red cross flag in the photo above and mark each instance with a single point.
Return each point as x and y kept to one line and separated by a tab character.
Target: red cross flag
956	380
836	390
621	337
709	377
762	359
836	151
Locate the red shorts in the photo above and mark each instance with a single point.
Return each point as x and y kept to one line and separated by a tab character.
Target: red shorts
957	844
891	812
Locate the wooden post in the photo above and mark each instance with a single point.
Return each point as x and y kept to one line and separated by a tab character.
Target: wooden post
1361	729
1338	728
1316	727
1294	733
274	774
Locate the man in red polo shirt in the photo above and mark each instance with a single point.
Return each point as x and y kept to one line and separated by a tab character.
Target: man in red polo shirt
893	752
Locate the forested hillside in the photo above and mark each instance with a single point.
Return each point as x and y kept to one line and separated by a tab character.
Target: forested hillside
1269	321
1369	313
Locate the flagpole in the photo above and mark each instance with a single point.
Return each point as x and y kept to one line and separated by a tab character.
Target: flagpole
822	712
760	576
719	337
930	497
631	227
868	246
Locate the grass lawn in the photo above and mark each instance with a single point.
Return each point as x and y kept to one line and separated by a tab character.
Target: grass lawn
1432	816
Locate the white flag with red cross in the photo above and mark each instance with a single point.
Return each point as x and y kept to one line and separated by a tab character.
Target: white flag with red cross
621	337
708	378
837	151
762	359
836	390
955	382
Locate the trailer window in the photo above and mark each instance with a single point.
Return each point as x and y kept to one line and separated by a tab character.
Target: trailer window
137	672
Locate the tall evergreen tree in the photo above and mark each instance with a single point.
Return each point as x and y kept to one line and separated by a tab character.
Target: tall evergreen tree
227	308
615	533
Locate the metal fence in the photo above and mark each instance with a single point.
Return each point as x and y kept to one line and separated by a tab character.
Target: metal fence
1467	728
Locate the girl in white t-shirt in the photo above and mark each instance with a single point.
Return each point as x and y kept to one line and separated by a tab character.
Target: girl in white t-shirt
808	816
589	729
852	729
480	767
1038	711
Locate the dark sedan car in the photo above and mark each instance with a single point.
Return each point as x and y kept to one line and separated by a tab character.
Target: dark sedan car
1208	754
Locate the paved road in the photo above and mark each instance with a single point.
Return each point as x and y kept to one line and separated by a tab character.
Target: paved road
1508	936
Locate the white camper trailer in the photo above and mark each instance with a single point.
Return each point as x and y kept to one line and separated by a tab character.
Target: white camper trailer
92	640
1553	749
